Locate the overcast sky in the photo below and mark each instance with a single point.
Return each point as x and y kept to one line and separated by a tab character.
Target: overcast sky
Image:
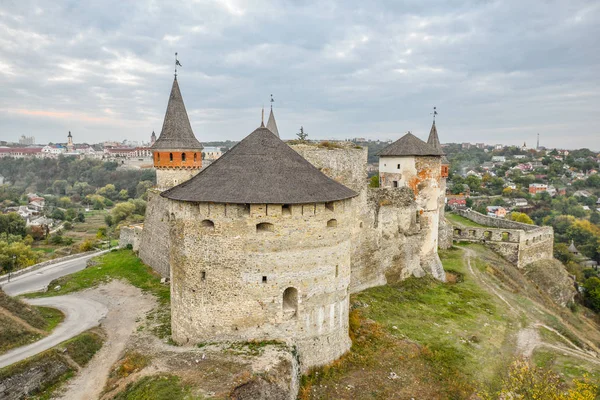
498	71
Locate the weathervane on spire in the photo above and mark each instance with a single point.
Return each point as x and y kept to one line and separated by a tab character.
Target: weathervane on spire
434	113
176	64
272	101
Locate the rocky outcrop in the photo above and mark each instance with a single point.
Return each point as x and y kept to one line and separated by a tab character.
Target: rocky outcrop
551	277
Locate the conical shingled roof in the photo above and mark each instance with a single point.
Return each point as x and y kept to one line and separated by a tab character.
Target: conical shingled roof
271	124
434	141
409	145
261	169
572	248
176	131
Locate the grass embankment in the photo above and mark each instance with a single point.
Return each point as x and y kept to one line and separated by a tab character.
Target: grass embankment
120	264
159	387
52	367
419	338
21	324
457	219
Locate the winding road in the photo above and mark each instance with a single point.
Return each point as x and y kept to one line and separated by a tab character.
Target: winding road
80	314
38	280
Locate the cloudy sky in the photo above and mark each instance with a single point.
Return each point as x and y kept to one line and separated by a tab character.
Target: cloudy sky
498	71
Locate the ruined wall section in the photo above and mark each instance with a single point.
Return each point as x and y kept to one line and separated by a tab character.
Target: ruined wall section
154	245
494	222
517	245
229	278
536	245
131	235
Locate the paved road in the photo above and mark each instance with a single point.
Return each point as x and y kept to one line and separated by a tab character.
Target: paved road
81	314
39	280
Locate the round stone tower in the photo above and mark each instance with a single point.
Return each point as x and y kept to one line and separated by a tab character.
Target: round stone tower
177	153
260	250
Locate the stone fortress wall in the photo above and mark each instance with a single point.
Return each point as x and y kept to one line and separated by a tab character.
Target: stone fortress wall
519	243
259	272
389	230
154	247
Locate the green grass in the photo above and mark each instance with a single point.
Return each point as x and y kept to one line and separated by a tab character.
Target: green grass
159	387
81	349
457	219
52	316
118	264
459	329
568	367
46	250
13	334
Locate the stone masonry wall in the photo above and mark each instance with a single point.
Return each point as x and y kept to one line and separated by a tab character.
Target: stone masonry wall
230	277
154	245
517	245
388	236
168	178
494	222
132	235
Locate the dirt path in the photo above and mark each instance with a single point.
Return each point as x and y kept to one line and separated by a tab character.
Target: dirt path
528	338
127	305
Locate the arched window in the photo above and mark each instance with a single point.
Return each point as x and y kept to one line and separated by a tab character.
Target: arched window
264	227
207	224
183	157
332	223
171	157
195	157
158	157
290	301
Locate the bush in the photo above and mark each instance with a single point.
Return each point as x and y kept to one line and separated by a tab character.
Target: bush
87	245
374	182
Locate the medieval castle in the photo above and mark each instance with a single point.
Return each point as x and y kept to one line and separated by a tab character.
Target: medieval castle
269	241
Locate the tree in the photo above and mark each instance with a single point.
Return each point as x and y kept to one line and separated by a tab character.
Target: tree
592	293
595	218
57	213
60	186
301	135
80	217
109	191
521	217
12	224
123	194
374	182
142	187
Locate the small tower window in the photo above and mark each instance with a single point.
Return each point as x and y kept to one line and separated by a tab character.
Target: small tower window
171	157
158	157
195	157
183	157
395	183
286	209
332	223
265	227
398	166
264	279
203	275
330	206
208	224
336	271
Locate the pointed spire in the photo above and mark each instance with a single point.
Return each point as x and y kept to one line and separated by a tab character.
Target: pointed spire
262	117
271	124
176	131
434	139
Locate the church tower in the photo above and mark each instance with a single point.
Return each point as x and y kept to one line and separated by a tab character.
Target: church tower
152	138
177	153
70	145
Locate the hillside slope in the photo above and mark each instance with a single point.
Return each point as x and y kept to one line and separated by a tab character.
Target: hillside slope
425	339
21	323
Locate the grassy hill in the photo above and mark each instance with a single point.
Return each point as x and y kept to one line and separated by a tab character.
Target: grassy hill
21	323
425	339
